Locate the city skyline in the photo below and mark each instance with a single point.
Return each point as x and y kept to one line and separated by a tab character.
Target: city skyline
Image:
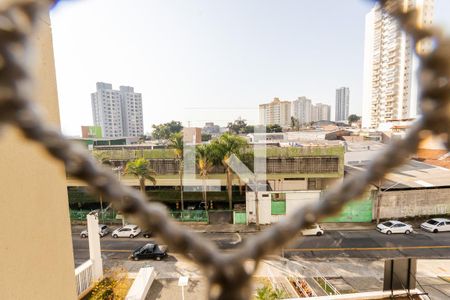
191	58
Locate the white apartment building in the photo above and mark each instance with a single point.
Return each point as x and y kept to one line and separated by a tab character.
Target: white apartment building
388	65
119	113
320	112
301	110
275	112
132	119
107	110
342	104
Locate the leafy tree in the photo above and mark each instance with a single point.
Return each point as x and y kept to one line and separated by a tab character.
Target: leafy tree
207	157
353	118
274	128
295	123
114	285
102	158
238	126
206	137
249	129
268	293
176	143
226	145
164	131
140	168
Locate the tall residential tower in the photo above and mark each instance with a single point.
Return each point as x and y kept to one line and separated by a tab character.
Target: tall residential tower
388	64
118	113
342	102
301	110
276	112
320	112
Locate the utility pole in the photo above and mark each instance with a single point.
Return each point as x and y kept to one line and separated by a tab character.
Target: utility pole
379	195
257	208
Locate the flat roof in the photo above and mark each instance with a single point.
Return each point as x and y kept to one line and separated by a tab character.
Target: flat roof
413	174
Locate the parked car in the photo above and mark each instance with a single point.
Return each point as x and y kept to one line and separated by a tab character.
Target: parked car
102	231
149	251
436	225
126	231
394	226
314	229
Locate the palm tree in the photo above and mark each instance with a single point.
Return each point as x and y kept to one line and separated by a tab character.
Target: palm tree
140	168
228	144
206	158
102	158
176	143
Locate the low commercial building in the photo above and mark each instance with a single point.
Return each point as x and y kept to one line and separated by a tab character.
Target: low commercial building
414	190
293	168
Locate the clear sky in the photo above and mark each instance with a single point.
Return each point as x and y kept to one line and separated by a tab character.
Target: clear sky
210	60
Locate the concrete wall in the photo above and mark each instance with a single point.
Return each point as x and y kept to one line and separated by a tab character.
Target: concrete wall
36	256
294	201
419	202
220	217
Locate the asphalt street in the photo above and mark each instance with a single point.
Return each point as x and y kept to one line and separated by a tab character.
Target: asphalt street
368	244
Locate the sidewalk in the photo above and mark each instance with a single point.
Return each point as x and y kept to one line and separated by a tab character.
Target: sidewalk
241	228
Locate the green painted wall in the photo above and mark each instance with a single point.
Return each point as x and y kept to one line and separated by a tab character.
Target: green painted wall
354	211
240	217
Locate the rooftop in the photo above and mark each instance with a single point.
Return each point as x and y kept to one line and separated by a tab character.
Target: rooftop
412	175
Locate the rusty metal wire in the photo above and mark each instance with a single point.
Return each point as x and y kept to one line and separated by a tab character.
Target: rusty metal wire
229	274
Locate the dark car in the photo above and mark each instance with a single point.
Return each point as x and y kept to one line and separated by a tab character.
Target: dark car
149	251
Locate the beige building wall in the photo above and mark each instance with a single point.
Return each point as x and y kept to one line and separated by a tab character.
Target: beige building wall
192	135
276	112
36	255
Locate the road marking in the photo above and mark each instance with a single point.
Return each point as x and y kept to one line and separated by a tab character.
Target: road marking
366	249
320	249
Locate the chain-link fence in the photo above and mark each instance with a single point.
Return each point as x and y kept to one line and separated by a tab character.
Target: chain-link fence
229	275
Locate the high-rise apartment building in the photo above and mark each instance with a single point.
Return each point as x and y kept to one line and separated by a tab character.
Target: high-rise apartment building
275	112
118	113
342	103
388	64
320	112
301	110
132	119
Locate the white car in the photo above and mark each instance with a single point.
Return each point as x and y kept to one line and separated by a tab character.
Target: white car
126	231
393	226
436	225
314	229
102	231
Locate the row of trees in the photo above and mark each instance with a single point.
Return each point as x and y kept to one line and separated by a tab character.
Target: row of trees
217	152
240	126
165	131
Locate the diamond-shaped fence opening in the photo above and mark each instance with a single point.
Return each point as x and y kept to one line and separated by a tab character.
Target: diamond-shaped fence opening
228	274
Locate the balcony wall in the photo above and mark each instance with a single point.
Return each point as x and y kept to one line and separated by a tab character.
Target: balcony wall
36	253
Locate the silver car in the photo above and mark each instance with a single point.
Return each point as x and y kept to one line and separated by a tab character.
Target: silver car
102	231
